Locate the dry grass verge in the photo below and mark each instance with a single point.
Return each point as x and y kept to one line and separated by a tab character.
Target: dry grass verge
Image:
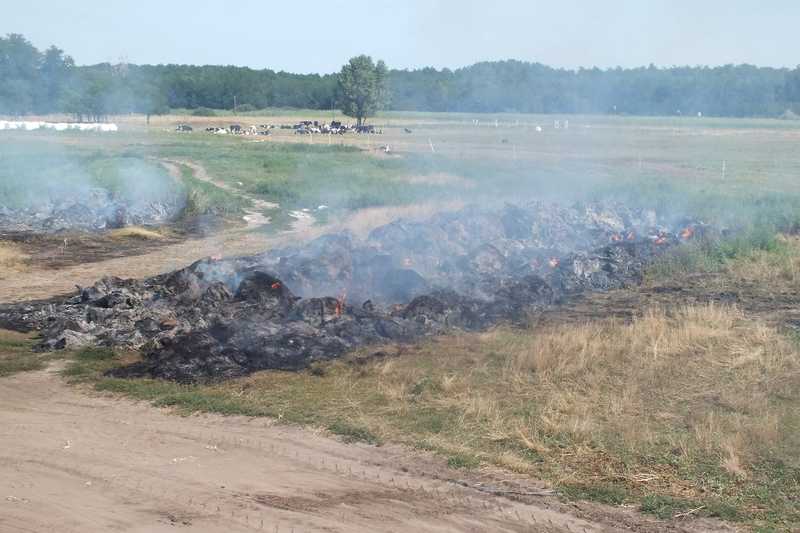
12	259
778	266
683	408
136	232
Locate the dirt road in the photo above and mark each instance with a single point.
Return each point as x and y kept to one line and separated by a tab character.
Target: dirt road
71	461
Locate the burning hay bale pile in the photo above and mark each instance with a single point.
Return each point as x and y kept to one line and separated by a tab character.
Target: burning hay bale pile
286	308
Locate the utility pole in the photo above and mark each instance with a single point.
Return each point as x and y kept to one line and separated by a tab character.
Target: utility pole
234	104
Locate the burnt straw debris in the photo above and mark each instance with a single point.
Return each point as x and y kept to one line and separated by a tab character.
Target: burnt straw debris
286	308
93	209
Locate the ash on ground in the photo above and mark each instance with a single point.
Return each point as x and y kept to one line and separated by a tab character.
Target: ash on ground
286	308
95	209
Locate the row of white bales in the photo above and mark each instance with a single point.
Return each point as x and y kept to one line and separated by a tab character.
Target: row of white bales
30	125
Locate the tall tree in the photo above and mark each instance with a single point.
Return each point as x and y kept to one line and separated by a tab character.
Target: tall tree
54	74
363	88
19	64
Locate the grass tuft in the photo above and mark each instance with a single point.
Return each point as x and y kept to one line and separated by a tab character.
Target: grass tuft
136	232
463	460
12	259
606	493
353	433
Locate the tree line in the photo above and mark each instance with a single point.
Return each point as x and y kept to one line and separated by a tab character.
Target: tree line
40	82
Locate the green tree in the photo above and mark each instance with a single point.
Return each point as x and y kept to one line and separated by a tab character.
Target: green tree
363	88
19	63
54	73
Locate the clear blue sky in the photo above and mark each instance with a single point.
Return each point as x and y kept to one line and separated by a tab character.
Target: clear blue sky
318	36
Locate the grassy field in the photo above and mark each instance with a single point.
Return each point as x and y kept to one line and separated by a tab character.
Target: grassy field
720	169
686	408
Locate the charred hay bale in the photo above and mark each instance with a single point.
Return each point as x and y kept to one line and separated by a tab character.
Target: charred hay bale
517	222
264	289
610	267
515	298
399	285
191	357
443	309
317	311
233	349
324	266
486	259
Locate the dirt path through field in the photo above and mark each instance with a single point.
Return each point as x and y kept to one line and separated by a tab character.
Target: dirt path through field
253	216
75	462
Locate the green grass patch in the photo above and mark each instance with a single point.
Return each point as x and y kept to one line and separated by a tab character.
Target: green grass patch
14	364
606	493
463	460
87	363
205	198
666	507
17	355
353	433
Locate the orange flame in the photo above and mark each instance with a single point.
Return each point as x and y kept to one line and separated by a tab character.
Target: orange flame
661	239
276	285
616	237
687	233
340	301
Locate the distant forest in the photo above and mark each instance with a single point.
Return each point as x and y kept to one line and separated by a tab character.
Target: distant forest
39	82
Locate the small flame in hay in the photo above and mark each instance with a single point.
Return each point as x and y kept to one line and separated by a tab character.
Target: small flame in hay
340	303
687	233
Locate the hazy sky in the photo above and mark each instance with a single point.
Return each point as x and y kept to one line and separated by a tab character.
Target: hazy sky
318	36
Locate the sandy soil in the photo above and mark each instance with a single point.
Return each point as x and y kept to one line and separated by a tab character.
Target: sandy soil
74	461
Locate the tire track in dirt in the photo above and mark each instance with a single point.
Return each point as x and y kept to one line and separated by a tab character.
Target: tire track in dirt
72	461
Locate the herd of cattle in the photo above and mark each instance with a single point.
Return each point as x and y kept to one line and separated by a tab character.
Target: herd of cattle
304	127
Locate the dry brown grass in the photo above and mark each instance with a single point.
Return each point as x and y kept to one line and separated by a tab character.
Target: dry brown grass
692	381
705	368
363	221
12	259
656	406
779	266
438	178
135	232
